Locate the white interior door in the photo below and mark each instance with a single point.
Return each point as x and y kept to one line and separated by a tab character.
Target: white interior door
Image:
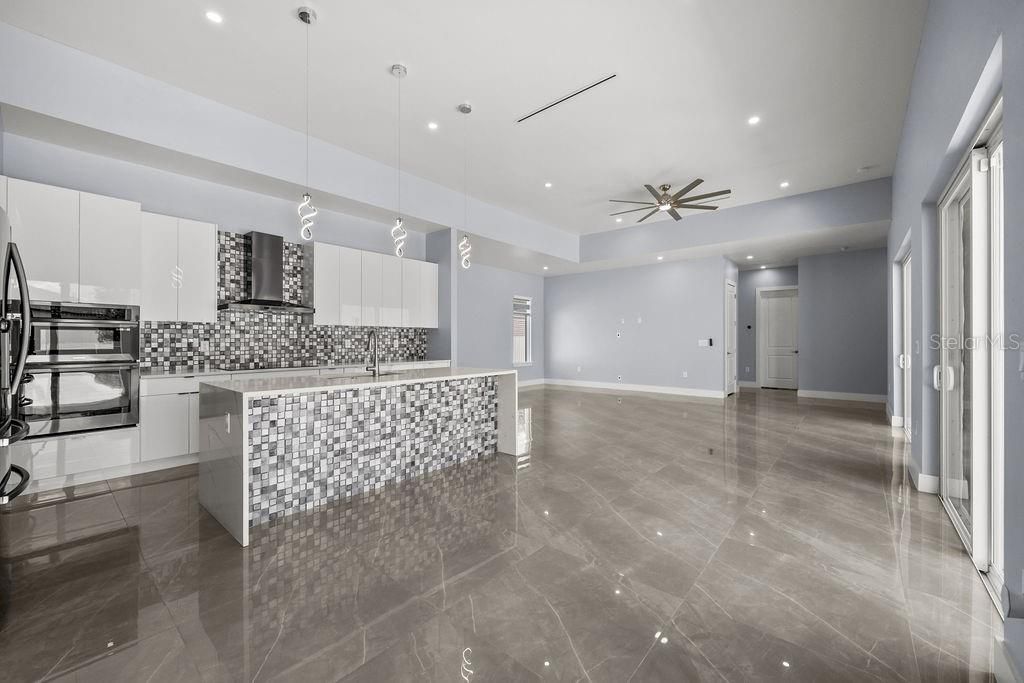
777	362
906	355
730	338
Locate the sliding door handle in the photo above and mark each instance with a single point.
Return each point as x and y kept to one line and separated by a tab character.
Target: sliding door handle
937	377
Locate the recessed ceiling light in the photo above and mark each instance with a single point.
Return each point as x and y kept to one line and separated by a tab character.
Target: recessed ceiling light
215	17
618	220
661	258
784	184
545	267
750	257
432	125
763	267
547	184
754	120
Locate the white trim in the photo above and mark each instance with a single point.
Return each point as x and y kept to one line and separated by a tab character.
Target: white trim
895	421
527	383
747	384
842	396
760	348
925	483
735	336
643	388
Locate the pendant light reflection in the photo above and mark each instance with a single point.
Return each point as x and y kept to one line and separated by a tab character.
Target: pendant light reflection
465	251
307	212
399	233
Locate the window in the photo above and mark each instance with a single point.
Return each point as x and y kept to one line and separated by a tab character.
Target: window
522	330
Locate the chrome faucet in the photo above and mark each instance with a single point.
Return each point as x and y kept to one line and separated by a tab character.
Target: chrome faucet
371	346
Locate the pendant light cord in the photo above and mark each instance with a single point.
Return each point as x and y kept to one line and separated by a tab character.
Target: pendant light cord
307	108
398	172
465	173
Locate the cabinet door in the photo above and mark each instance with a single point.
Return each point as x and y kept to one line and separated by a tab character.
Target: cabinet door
351	272
3	192
110	250
411	297
428	295
193	423
391	292
159	241
164	422
44	223
372	265
197	259
326	284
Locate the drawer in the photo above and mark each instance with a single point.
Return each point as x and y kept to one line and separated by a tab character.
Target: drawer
162	386
77	453
263	374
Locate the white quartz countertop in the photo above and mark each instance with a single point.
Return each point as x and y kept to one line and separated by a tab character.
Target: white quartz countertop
281	386
213	370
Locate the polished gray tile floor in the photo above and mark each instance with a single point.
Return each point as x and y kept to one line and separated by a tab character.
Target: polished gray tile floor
651	539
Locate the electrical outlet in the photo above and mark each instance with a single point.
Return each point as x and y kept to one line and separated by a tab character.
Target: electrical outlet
619	378
747	369
685	374
622	321
579	368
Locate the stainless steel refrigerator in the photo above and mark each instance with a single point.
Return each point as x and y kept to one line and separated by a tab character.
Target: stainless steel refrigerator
13	478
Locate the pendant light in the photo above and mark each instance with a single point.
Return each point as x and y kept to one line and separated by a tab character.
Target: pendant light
307	212
399	233
465	248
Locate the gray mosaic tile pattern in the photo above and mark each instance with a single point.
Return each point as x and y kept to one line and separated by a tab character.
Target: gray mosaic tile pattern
310	449
242	340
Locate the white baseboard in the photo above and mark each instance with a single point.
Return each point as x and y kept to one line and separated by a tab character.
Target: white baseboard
842	396
642	388
925	483
1003	666
895	421
530	383
746	384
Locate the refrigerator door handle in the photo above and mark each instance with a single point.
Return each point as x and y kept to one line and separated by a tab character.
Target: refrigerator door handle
8	496
14	259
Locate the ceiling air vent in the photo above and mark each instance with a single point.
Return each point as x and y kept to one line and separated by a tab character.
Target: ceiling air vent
567	97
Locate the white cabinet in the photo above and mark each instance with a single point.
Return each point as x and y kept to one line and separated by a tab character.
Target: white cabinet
164	421
44	223
179	269
109	250
351	281
193	423
391	291
326	284
428	295
3	192
419	294
197	259
159	247
371	300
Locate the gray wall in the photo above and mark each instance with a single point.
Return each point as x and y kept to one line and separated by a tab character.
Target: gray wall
660	311
842	322
746	293
484	318
439	250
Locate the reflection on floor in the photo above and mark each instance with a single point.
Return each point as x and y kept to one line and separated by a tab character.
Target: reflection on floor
651	539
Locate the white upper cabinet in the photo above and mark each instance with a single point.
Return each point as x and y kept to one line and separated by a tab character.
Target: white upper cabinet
179	269
391	292
428	295
197	259
3	192
371	276
109	250
411	302
44	223
351	281
159	238
326	284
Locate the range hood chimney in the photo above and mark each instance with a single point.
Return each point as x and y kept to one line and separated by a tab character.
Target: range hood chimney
267	289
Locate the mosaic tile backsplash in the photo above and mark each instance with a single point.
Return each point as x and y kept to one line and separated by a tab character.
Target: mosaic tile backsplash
310	449
260	339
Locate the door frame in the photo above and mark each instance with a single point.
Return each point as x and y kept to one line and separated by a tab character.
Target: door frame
906	335
735	379
758	320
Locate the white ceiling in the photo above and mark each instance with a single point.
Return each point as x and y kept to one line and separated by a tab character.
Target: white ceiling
829	78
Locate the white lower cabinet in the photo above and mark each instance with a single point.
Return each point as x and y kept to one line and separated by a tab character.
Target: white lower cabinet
66	456
165	425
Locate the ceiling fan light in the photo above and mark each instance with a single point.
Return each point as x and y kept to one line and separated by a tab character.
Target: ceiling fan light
664	207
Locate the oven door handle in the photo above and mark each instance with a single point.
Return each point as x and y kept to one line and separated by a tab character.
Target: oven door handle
95	324
41	368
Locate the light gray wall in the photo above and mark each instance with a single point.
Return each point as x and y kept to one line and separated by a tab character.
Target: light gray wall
746	293
951	92
484	318
842	322
659	311
178	195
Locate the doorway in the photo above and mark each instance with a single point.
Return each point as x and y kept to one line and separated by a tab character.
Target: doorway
730	338
777	334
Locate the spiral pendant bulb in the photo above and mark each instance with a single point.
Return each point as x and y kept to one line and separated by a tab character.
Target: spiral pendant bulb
307	212
466	672
398	234
465	250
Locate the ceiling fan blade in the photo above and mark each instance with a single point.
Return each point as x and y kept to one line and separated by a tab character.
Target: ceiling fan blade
629	201
647	216
709	195
686	189
642	208
675	214
696	206
654	193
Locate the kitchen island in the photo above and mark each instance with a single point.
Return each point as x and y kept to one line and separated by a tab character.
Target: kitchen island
274	446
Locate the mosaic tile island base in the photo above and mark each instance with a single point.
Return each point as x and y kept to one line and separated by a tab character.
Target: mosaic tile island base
274	446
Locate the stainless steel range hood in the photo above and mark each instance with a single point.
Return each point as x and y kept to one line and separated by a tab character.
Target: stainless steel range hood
267	289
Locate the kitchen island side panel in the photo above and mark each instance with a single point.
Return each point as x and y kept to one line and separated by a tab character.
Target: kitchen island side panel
308	449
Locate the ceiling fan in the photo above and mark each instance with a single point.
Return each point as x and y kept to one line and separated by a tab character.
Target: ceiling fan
663	201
